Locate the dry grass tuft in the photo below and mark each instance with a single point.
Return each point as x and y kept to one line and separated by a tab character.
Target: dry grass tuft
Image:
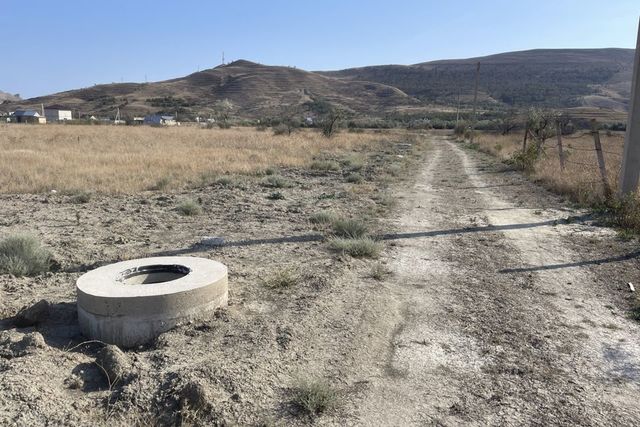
349	228
362	247
126	159
314	397
23	255
284	278
189	208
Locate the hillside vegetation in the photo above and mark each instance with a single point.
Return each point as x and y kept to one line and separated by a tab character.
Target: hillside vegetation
544	77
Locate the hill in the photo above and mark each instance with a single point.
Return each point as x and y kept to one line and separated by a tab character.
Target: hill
558	78
252	90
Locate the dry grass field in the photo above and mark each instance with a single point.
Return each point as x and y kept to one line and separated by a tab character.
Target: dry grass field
581	178
109	159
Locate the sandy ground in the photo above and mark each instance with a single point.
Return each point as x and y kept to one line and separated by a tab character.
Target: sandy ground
505	306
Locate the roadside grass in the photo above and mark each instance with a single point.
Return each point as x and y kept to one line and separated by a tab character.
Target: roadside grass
189	208
349	228
23	255
580	181
284	278
359	247
314	397
129	159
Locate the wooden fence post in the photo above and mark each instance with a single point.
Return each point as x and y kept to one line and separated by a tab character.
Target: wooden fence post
560	152
603	170
524	142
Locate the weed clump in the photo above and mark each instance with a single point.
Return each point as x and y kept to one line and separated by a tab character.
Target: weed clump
325	165
314	397
276	181
379	272
284	278
81	197
363	247
322	217
349	228
23	255
189	208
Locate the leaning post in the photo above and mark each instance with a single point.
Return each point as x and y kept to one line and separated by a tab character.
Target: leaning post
600	156
631	158
559	136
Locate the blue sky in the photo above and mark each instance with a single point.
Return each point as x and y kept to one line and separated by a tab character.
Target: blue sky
47	46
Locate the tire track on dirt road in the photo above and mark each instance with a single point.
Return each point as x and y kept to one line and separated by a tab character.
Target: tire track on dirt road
487	335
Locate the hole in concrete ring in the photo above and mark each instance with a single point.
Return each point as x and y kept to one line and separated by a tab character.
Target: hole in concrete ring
149	274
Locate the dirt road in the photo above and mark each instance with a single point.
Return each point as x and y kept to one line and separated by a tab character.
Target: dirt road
504	306
506	313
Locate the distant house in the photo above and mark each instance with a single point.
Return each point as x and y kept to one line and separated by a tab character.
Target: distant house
27	116
138	120
159	120
57	114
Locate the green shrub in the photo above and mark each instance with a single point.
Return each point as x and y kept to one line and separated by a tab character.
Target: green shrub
351	228
526	160
314	397
23	255
363	247
189	208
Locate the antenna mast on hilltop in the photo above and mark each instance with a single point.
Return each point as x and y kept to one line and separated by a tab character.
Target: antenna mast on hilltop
223	57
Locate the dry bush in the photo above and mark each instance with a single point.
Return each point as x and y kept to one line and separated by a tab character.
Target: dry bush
127	159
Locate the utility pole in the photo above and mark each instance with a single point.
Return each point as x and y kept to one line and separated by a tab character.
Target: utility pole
458	111
631	159
223	57
475	101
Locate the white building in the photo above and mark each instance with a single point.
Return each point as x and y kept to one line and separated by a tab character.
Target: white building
54	114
